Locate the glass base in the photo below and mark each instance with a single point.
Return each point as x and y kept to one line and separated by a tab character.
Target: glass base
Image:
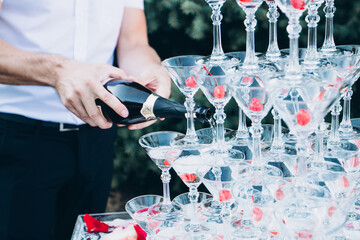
218	60
201	141
226	156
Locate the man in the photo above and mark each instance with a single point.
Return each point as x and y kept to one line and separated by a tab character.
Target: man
56	148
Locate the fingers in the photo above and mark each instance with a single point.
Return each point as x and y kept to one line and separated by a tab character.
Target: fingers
111	100
93	112
117	73
82	113
141	125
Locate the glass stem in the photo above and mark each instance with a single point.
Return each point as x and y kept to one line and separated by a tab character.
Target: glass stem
273	50
294	29
302	154
165	178
312	19
216	17
334	139
220	132
256	131
319	141
193	196
329	43
250	24
190	131
242	132
346	129
226	212
277	143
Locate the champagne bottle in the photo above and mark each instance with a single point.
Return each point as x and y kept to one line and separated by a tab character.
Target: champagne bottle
144	105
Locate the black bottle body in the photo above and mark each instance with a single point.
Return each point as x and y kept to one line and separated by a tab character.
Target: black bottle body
143	104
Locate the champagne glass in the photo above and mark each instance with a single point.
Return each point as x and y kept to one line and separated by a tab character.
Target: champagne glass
217	55
255	98
146	211
255	200
215	83
157	146
220	188
311	58
250	8
190	166
273	51
183	71
293	9
329	47
349	66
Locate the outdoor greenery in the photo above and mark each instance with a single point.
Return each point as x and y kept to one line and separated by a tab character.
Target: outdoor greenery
180	27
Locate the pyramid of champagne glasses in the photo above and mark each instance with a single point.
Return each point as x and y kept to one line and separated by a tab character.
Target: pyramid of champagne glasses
296	181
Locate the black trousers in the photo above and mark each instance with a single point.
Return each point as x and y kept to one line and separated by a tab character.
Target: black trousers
48	177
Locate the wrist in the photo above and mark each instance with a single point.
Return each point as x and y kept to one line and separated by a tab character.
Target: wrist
57	67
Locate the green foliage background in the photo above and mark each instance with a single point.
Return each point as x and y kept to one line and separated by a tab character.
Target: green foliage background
180	27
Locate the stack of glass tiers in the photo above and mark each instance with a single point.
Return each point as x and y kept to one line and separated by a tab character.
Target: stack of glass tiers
299	182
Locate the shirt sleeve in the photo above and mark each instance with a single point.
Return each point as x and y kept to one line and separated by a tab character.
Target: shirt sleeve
134	3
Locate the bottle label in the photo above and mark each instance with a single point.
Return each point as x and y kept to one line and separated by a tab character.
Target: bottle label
147	109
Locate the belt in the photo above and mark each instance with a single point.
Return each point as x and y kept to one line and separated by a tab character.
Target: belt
62	127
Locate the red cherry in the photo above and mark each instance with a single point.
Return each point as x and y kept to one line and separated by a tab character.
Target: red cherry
224	195
257	214
274	233
190	82
255	105
305	234
219	92
344	182
331	211
246	80
303	117
188	177
279	194
166	163
245	1
154	225
298	4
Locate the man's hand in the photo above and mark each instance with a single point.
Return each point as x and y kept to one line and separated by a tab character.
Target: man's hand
157	80
79	84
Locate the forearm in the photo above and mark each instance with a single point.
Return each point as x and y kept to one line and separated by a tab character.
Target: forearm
138	59
19	67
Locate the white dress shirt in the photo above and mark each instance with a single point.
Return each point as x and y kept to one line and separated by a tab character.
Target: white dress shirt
84	30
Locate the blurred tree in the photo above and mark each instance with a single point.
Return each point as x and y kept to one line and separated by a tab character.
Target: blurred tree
180	27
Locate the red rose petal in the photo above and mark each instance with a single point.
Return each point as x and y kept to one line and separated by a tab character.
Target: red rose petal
190	82
188	177
94	225
219	92
256	105
224	195
141	234
303	117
